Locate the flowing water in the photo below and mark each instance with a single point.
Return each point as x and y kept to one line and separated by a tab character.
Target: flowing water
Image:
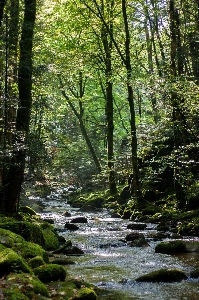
112	265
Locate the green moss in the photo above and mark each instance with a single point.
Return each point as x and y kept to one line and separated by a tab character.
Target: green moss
30	250
86	294
10	261
15	238
28	284
171	247
163	275
29	231
13	294
27	210
51	239
35	262
51	272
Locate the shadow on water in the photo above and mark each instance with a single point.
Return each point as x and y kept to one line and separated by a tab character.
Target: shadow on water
113	266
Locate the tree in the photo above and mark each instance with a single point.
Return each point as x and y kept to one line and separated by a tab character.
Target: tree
12	180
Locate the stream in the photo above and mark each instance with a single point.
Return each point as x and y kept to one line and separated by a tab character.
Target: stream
113	266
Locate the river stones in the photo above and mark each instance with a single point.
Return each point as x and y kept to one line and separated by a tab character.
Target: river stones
134	236
141	242
67	214
79	220
163	275
72	250
136	226
71	226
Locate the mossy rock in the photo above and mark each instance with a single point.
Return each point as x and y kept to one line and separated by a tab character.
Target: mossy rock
8	238
27	210
30	250
51	239
171	247
10	261
15	294
163	275
50	272
29	284
36	262
29	231
86	294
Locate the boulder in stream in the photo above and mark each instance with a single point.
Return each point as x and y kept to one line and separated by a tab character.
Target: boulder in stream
177	246
79	220
71	226
136	226
163	275
73	250
134	236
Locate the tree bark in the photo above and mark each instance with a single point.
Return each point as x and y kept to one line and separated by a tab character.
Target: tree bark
12	185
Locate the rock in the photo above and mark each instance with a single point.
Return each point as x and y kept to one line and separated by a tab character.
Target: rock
79	220
171	247
61	239
28	285
50	237
72	250
71	226
29	250
35	262
12	294
66	214
27	210
134	236
141	242
49	220
136	226
86	294
10	261
60	250
50	272
194	273
163	275
29	231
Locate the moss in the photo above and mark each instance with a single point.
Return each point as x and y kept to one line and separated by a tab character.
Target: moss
51	240
28	284
86	294
35	262
171	247
163	275
27	210
29	231
15	238
13	294
10	261
30	250
51	272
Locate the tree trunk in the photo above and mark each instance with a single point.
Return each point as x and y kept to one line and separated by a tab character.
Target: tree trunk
12	185
2	5
136	184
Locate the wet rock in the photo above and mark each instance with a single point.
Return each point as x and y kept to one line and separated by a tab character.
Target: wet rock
171	247
66	214
134	236
61	239
71	226
79	220
60	250
50	272
194	273
49	220
72	250
163	275
136	226
141	242
115	245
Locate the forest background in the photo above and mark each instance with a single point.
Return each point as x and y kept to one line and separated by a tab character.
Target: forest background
100	94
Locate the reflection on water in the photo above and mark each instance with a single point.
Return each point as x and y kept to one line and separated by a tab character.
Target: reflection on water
110	264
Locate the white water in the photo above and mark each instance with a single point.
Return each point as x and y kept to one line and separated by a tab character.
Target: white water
116	268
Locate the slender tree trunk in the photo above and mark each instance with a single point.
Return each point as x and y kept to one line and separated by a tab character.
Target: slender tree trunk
12	185
2	5
176	70
107	44
136	184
